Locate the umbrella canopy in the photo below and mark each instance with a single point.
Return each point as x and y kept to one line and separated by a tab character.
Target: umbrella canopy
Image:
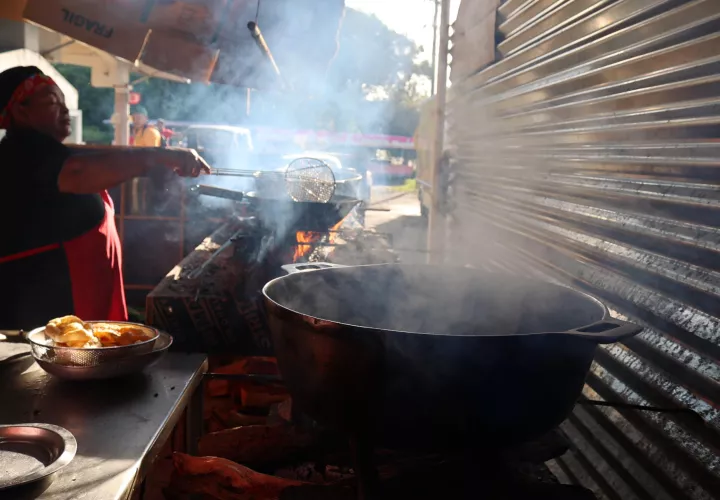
204	40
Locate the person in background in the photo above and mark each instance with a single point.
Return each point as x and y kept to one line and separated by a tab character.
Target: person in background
145	135
165	132
60	253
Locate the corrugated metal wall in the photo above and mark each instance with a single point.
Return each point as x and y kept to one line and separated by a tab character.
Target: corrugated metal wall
589	152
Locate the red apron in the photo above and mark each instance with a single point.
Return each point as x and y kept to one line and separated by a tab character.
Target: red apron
95	264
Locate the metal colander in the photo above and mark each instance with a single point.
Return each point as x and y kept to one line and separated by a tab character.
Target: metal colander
43	350
310	180
305	180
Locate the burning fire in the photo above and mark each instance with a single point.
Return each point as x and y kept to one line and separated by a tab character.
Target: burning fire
307	240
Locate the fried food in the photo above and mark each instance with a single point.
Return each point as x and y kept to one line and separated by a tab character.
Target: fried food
71	331
117	334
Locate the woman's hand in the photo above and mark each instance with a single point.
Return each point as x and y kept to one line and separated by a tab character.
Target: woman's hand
184	162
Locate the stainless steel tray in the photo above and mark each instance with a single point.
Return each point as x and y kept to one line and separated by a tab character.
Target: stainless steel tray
31	452
111	368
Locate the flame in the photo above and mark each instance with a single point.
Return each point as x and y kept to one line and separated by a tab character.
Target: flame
305	237
306	241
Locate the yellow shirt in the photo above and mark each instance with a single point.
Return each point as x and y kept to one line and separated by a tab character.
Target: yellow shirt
148	137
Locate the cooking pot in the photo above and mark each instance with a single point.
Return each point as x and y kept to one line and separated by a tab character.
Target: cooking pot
285	215
272	185
429	357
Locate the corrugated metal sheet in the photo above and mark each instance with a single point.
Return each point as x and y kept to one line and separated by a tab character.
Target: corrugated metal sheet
589	152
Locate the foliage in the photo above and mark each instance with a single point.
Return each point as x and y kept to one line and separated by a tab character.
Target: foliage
409	186
371	86
93	134
96	103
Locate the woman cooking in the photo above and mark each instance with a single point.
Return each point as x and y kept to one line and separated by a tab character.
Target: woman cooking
59	249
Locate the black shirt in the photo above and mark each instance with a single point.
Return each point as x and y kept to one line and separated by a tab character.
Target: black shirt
33	213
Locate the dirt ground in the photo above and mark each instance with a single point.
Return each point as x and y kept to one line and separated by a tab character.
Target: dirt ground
402	221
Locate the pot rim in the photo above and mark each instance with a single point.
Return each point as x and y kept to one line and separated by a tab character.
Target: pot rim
584	331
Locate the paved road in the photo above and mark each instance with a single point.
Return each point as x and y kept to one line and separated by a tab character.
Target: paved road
403	222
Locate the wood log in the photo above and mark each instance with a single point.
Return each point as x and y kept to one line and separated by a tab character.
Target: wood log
212	406
222	419
256	444
281	412
227	480
217	479
236	419
214	478
257	396
285	409
244	366
215	424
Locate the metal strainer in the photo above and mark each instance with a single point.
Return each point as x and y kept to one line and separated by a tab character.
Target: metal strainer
42	349
306	180
310	180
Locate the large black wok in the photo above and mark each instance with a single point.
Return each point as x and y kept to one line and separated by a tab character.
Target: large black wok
286	215
432	357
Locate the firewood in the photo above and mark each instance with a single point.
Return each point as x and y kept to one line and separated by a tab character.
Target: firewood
285	410
280	412
204	488
226	480
220	406
257	396
222	419
236	419
255	444
215	424
213	478
245	366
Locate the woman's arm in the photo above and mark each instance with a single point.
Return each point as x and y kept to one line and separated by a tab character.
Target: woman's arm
95	169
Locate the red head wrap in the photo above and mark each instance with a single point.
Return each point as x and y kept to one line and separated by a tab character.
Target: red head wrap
26	89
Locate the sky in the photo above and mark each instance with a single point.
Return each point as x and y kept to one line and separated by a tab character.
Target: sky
413	18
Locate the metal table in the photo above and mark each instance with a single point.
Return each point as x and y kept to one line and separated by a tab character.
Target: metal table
120	425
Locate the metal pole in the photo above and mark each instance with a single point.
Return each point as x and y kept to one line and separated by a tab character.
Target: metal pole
122	133
436	229
122	104
433	78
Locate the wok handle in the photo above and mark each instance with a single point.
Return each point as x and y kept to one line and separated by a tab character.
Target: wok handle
308	266
607	331
217	192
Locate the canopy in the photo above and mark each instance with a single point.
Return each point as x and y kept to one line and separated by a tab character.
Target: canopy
204	40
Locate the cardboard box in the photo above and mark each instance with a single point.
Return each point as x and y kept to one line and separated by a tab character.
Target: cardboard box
179	55
198	18
12	9
112	26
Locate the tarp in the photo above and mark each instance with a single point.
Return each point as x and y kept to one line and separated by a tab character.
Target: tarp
204	40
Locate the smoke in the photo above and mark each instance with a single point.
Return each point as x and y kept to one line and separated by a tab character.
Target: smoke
329	59
305	39
434	300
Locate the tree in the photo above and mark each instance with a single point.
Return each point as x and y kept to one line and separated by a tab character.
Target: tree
96	103
372	86
373	80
